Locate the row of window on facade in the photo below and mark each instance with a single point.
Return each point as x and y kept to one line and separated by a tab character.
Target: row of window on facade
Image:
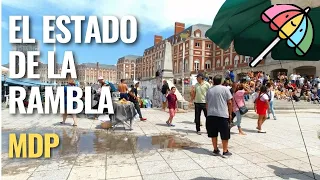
196	65
153	49
196	44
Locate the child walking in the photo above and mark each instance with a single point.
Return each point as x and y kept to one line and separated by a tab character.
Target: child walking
172	105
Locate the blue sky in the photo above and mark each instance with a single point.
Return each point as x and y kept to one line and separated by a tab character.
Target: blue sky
154	18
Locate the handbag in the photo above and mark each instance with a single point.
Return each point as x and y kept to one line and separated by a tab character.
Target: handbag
243	109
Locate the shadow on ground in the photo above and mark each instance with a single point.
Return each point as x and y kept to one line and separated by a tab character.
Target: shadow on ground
289	173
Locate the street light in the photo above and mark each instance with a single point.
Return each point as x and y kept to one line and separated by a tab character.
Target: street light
183	37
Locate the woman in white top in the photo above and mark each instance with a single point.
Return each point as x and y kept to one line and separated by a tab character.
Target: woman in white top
261	107
271	93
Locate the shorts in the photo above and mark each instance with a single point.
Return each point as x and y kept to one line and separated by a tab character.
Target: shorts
172	112
164	98
124	96
217	125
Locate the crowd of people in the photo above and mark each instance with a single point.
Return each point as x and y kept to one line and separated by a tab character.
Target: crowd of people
125	93
223	102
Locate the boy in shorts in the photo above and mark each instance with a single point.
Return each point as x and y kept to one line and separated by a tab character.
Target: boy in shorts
172	105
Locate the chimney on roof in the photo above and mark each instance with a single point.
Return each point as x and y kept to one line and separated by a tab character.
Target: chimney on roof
178	27
157	39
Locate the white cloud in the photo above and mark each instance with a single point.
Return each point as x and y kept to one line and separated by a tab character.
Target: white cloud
154	15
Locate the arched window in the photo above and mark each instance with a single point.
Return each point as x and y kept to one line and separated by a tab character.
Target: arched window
180	66
218	63
208	64
236	60
197	33
197	65
226	61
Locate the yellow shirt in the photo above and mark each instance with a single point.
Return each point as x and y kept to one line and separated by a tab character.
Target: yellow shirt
201	92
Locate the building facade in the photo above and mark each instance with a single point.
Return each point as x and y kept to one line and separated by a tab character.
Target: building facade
126	67
87	73
25	48
201	54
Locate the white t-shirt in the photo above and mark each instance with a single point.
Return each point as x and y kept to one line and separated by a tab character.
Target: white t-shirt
301	80
271	94
264	97
318	86
294	77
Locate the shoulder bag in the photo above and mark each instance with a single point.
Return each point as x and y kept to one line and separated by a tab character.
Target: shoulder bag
243	109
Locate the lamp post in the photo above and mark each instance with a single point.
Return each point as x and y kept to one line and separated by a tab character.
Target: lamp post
183	37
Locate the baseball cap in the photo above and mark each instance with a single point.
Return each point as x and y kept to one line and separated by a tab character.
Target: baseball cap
100	78
135	82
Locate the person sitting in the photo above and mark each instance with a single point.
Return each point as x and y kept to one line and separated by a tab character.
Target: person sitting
133	97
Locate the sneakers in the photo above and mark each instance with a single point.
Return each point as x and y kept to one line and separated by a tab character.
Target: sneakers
226	154
198	132
268	117
275	118
216	152
172	125
261	131
143	119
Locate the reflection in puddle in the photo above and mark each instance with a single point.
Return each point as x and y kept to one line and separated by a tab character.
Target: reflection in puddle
74	141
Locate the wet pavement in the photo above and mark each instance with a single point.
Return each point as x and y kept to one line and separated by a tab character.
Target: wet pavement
74	141
154	151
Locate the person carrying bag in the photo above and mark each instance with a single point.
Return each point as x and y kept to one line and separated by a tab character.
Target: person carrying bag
239	107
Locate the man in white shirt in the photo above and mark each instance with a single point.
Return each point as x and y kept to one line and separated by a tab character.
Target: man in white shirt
301	81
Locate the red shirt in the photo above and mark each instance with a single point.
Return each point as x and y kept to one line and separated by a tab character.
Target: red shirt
172	101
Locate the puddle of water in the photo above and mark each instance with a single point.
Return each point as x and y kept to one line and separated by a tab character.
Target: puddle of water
74	141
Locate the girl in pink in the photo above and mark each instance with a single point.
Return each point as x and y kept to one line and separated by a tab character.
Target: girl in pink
172	105
238	101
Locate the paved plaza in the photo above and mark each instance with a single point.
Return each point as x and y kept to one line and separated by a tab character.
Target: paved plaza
154	151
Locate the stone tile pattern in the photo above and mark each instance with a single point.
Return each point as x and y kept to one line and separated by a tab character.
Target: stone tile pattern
278	154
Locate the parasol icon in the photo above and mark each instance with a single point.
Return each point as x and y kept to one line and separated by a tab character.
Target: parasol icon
292	24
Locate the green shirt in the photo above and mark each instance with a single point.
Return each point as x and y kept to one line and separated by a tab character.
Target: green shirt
201	92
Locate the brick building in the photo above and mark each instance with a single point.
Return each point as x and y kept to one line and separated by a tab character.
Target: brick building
87	73
126	67
201	54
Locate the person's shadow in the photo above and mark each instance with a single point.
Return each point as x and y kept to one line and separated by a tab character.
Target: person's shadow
289	173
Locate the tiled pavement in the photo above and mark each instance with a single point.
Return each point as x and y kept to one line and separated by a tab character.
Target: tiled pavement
278	154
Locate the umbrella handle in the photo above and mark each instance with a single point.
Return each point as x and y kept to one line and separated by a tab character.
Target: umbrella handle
264	53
